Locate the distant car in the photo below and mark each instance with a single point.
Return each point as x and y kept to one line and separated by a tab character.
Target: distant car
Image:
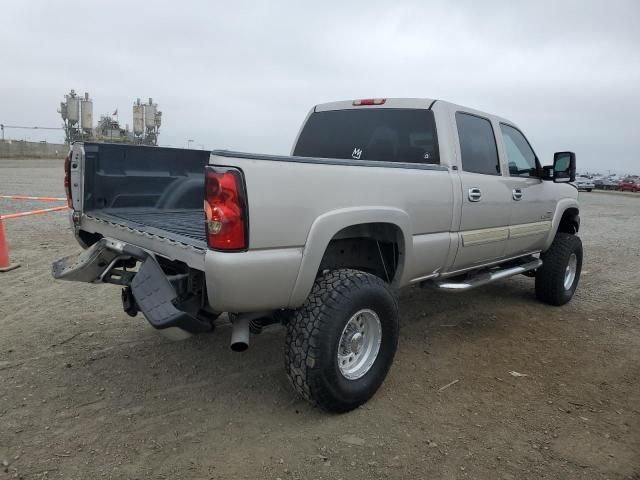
630	184
584	183
606	183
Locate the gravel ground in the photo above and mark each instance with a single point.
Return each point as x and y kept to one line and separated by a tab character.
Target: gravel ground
90	393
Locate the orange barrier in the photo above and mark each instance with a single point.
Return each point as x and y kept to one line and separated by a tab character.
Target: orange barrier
33	212
5	262
41	199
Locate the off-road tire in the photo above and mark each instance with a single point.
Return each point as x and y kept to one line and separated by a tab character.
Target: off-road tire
314	331
550	277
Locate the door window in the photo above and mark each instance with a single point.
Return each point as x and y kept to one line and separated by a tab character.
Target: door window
521	158
477	144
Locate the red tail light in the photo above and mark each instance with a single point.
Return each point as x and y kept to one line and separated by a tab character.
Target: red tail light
225	209
67	179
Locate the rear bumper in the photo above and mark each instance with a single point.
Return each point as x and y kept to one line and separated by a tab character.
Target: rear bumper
154	293
252	281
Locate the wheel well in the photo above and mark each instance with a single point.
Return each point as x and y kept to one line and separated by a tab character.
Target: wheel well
371	247
570	221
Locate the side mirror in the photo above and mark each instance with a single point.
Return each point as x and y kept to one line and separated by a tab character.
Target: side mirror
564	167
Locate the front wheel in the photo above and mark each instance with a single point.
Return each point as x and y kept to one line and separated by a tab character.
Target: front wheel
340	344
557	279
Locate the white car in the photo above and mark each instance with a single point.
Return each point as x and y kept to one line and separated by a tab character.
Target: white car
584	183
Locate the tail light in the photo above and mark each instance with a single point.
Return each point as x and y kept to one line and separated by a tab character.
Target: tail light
67	179
225	209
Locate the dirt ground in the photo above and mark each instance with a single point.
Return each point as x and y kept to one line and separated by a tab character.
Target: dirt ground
90	393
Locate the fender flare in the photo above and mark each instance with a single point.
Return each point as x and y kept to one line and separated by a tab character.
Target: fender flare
562	206
325	227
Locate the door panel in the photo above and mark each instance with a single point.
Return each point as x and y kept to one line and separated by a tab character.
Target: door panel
484	222
532	201
530	218
484	226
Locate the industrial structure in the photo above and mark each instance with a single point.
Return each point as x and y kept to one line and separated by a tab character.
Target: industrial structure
146	122
77	124
77	117
108	130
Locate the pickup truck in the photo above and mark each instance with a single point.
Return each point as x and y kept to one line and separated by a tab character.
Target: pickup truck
378	194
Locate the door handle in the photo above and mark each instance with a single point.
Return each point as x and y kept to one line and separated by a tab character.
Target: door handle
517	194
475	194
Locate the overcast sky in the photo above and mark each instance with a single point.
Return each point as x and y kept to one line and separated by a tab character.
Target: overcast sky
243	75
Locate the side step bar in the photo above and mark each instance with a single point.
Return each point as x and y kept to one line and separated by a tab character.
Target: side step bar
483	278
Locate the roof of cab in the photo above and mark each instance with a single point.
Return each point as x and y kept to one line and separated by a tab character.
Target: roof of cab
425	103
388	103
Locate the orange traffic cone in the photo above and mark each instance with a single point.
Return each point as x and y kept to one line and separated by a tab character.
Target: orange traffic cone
5	263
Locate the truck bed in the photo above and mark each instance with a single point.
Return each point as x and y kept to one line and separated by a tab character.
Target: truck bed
152	192
182	225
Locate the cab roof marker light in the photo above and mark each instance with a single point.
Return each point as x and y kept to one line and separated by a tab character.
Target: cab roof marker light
369	101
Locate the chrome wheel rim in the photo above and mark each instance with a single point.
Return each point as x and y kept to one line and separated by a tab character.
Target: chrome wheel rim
359	344
570	271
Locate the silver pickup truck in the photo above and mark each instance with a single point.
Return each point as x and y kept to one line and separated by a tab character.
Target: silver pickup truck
378	194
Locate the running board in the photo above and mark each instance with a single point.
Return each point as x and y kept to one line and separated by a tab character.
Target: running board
480	279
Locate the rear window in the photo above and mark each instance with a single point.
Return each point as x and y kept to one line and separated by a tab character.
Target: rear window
383	134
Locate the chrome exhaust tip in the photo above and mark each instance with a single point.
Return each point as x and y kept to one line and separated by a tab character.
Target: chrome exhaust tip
240	333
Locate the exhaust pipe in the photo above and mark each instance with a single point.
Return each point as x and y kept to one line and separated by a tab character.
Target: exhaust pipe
240	333
244	324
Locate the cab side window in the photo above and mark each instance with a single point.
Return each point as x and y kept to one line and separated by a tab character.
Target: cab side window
521	158
477	144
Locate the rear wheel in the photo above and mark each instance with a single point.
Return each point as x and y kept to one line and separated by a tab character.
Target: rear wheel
557	279
341	342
